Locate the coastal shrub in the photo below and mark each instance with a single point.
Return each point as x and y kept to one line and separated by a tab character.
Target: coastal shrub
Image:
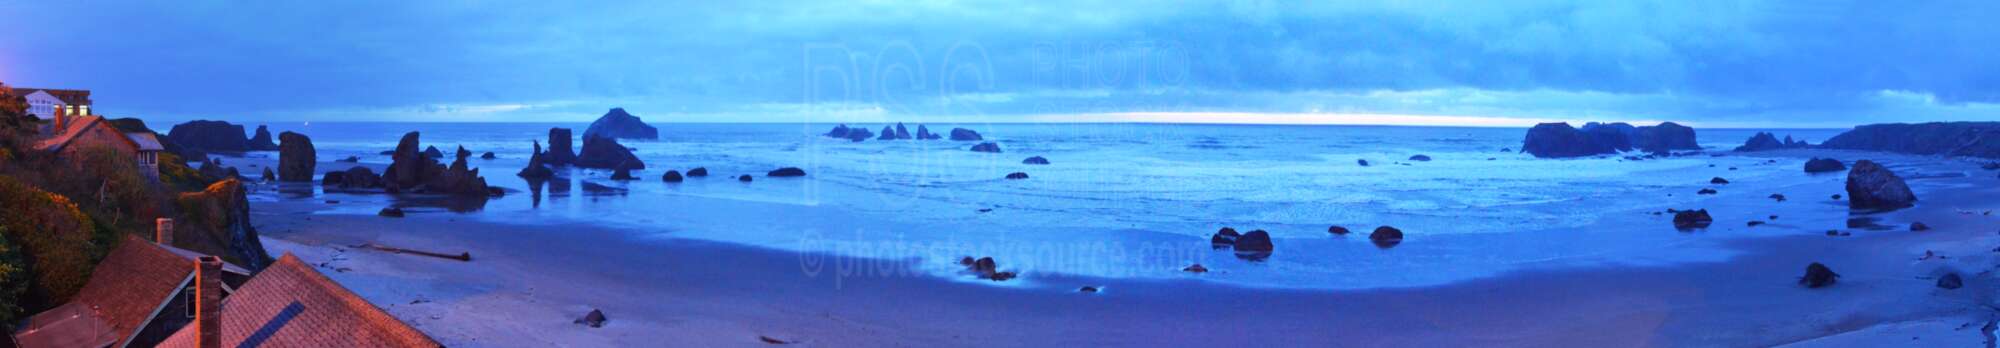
55	237
175	173
13	279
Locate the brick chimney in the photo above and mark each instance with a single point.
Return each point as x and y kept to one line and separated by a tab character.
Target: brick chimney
62	116
208	295
163	231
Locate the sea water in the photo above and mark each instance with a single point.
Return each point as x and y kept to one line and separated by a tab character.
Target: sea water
1123	200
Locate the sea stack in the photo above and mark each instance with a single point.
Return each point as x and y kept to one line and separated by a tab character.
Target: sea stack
262	140
1559	140
296	157
560	153
962	134
606	153
1871	186
617	124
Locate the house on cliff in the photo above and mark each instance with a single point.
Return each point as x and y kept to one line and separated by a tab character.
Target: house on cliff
69	134
45	103
140	294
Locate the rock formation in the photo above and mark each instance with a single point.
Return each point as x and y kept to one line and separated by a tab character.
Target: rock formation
1254	245
1037	160
671	176
1386	237
1559	140
1617	136
1692	219
1969	139
1765	141
296	157
839	131
616	124
537	169
697	172
262	140
413	172
606	153
1017	176
888	133
209	136
902	133
988	147
924	133
786	172
1823	165
1871	186
962	134
1224	238
858	134
560	153
222	213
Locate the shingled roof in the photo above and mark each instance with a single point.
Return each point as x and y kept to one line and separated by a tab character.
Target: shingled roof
124	293
290	304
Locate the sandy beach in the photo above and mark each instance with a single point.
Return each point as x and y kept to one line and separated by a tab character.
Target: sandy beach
527	282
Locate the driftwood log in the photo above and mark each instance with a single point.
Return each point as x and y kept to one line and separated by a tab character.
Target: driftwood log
464	256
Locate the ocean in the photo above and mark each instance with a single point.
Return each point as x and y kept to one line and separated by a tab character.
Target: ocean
1122	200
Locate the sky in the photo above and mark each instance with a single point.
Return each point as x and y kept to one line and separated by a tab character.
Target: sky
1830	63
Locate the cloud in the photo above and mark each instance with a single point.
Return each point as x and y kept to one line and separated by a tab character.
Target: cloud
1718	61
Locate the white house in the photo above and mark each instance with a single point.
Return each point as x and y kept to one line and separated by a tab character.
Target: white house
43	102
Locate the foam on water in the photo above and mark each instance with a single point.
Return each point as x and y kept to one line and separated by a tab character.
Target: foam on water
1129	200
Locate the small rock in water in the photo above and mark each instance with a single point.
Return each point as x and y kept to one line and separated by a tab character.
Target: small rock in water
786	172
1778	197
1420	158
1255	245
1950	281
1836	197
698	172
1706	191
1225	238
1087	289
1755	223
988	147
1196	268
1718	181
488	155
1038	160
743	178
349	159
1818	275
622	174
390	212
1337	230
1363	163
671	176
1774	217
594	319
1919	226
1832	233
1692	219
1386	237
1017	176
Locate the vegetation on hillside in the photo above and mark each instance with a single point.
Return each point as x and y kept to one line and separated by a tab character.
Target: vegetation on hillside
55	236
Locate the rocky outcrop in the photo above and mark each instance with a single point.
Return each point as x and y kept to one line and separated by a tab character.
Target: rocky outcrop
1968	139
1224	238
858	134
616	124
1765	141
560	153
1818	276
962	134
537	168
887	134
1823	165
1665	138
1559	140
296	157
1692	219
839	131
221	213
1255	245
786	172
902	133
1871	186
606	153
209	136
924	133
354	178
1017	176
1037	160
413	172
262	140
987	147
1386	237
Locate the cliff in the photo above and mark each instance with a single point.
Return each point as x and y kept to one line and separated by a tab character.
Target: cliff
1969	139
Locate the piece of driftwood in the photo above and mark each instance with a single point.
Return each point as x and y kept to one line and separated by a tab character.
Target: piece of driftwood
461	256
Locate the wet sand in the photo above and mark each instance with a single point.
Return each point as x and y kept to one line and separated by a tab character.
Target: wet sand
527	282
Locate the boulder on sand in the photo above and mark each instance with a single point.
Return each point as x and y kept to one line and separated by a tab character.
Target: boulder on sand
1818	275
962	134
1950	281
786	172
606	153
697	172
390	212
1037	160
744	178
1718	181
617	124
1017	176
1336	230
1256	244
1823	165
988	147
671	176
1692	219
1224	238
1386	237
560	153
1871	186
296	158
594	319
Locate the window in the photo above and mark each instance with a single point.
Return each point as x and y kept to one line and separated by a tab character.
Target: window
191	299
